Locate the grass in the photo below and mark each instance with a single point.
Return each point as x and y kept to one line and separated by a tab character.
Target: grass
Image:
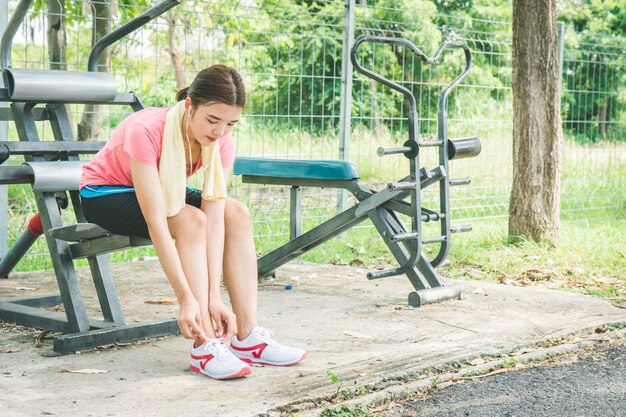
589	259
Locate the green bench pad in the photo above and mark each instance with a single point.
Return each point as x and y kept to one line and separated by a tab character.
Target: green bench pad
296	168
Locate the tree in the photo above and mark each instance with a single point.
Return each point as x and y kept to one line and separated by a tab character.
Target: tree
537	135
91	121
57	42
172	19
594	75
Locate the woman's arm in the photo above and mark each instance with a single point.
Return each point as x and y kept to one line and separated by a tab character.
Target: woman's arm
150	196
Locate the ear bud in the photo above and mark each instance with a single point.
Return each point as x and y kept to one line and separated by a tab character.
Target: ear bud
189	111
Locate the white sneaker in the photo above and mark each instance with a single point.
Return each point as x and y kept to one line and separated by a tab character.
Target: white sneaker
213	359
260	347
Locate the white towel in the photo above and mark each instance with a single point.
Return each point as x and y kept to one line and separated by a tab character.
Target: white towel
172	169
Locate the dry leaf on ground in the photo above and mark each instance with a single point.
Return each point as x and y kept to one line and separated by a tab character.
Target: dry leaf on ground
163	301
83	371
538	274
476	273
358	335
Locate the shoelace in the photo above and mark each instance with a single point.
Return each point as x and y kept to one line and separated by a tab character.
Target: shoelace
219	349
265	335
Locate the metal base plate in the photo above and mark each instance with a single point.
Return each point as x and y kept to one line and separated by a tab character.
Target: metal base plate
73	342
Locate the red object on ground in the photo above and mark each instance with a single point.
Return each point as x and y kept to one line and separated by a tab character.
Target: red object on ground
35	227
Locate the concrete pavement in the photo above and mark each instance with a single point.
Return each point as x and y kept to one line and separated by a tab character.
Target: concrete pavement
361	330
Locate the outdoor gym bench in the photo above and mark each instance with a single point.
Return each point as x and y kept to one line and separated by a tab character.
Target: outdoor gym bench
53	168
385	207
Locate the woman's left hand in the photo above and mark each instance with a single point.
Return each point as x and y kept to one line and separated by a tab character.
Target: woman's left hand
225	320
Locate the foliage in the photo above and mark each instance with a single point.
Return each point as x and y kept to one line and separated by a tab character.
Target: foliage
346	411
596	71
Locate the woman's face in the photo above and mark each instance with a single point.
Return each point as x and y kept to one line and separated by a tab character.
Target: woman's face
210	122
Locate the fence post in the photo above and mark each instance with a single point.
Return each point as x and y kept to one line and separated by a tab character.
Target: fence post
4	132
346	93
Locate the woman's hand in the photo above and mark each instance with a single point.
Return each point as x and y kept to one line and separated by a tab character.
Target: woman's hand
190	321
225	320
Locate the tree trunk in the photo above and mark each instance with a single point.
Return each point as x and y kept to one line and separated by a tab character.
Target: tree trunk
57	43
177	62
537	132
91	122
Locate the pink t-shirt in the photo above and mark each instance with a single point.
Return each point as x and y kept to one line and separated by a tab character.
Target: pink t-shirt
140	136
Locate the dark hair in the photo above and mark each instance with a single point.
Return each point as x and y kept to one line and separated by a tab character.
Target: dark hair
218	83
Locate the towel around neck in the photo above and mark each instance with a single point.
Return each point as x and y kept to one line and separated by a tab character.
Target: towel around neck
172	169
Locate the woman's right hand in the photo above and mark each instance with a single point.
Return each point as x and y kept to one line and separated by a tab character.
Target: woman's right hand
190	321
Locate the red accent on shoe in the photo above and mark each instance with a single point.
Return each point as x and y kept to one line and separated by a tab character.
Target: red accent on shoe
257	350
204	359
248	360
243	372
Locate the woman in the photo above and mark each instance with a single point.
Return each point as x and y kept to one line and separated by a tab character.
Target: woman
136	186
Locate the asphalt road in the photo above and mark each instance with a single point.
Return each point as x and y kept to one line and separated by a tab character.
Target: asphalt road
592	386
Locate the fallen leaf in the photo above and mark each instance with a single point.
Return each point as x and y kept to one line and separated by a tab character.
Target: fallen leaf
619	303
83	371
168	301
538	274
45	334
445	384
383	407
357	262
358	335
476	273
601	329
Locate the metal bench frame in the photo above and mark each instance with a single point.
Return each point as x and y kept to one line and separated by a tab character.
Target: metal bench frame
74	241
382	207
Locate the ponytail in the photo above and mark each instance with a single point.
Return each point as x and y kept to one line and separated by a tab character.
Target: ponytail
182	94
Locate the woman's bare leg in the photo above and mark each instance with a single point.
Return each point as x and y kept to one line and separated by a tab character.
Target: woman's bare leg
240	266
191	247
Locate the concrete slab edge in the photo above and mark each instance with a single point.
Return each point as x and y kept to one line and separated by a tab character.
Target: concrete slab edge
436	377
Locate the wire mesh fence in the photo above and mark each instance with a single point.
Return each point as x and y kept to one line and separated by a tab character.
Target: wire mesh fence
291	56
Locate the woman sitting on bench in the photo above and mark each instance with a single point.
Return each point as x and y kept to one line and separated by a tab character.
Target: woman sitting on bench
136	186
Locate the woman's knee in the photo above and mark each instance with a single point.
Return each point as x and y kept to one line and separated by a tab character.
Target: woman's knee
189	222
236	213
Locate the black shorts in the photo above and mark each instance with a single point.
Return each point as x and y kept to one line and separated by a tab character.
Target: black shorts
120	212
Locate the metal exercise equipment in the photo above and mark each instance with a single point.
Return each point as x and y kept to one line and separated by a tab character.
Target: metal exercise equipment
382	207
54	169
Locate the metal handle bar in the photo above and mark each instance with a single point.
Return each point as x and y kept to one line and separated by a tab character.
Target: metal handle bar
9	33
119	33
375	76
22	8
425	58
